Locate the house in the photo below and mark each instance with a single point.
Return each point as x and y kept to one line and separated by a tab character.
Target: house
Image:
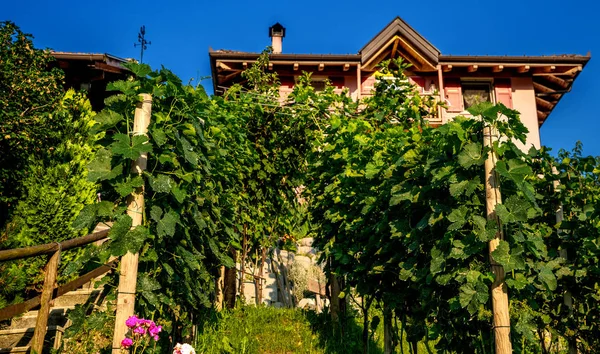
91	73
533	85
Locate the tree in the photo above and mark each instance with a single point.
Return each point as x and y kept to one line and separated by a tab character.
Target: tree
29	93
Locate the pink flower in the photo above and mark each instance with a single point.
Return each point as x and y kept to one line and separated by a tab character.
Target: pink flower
154	330
126	343
132	321
139	330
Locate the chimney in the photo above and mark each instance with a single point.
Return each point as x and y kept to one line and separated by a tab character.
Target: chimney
276	32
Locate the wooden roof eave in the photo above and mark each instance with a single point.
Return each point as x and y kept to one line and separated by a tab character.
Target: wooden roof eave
400	28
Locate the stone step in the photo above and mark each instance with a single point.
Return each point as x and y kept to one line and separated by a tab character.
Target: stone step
77	297
56	317
11	338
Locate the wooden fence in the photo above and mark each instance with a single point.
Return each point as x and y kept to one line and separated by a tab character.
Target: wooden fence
50	290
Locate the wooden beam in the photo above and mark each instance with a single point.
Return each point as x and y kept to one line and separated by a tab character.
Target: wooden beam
395	48
472	68
223	66
346	67
544	104
447	68
245	65
557	81
523	69
270	66
295	66
573	71
321	67
498	68
542	115
549	69
539	87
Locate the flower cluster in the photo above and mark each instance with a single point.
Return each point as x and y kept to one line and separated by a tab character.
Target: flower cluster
183	349
140	328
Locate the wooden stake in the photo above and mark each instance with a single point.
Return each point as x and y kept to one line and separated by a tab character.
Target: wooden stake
499	288
41	324
135	209
219	289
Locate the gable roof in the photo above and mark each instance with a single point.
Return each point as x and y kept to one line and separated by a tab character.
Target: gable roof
400	38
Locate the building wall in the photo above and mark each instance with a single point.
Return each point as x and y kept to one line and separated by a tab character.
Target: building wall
523	97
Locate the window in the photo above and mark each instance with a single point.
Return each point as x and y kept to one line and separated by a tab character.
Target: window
475	93
318	85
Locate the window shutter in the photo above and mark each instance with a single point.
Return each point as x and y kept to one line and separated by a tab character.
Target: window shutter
503	93
453	96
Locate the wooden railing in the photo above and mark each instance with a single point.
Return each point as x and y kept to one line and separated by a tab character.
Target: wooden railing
50	291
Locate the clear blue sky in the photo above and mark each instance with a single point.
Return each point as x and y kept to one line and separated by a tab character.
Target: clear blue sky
182	31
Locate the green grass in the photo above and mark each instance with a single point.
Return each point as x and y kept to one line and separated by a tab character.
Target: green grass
253	330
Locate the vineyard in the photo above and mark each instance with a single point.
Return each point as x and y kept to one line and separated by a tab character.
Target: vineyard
400	209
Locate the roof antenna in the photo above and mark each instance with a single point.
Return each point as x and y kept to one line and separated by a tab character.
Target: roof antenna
142	42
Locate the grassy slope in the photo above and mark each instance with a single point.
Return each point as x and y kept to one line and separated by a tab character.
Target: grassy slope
268	330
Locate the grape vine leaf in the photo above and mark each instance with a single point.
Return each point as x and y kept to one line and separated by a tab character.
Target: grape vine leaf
509	260
161	183
130	148
471	155
100	168
166	225
127	187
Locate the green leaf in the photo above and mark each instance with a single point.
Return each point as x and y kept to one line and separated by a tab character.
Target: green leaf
132	241
106	119
86	217
437	261
515	209
156	213
519	282
127	187
127	87
100	167
161	183
105	208
179	194
159	136
471	154
166	225
140	70
467	292
121	226
458	217
188	151
509	260
130	148
547	278
516	170
148	288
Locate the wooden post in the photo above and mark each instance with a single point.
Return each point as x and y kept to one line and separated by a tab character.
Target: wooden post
41	324
135	209
499	288
219	289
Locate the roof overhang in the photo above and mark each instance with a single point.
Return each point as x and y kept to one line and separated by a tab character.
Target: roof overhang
228	66
553	76
103	62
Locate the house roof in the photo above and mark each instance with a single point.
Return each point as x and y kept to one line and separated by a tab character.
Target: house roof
400	38
553	75
100	61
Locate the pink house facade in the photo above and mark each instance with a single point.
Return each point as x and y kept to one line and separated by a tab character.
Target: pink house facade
532	85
